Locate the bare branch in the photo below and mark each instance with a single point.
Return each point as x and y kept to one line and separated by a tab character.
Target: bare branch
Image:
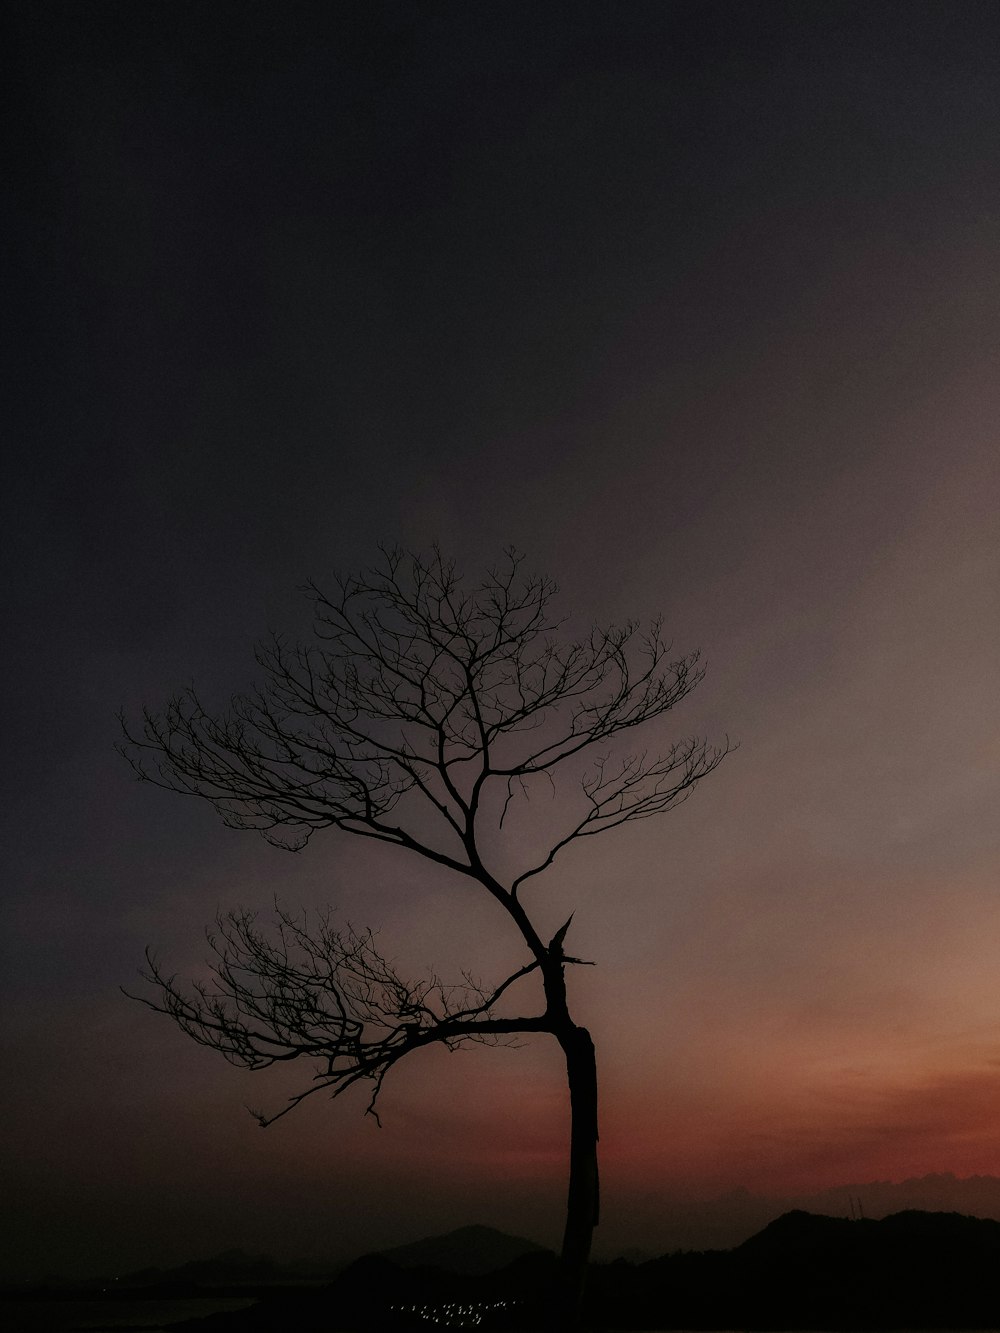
305	990
418	693
633	788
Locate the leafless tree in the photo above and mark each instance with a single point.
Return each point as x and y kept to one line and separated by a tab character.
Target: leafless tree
422	715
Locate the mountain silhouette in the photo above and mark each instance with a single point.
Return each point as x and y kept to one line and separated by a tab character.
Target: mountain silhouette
911	1270
471	1250
230	1267
798	1233
729	1219
804	1270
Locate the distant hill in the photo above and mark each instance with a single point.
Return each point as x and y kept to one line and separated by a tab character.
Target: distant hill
228	1266
731	1218
913	1269
941	1192
803	1270
471	1250
801	1233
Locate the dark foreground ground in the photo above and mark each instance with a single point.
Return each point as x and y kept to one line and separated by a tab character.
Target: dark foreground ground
910	1271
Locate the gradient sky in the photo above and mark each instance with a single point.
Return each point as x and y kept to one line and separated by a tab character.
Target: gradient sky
696	303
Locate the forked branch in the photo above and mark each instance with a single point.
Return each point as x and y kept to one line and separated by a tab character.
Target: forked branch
419	694
327	995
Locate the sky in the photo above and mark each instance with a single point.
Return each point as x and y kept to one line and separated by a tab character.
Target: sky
695	302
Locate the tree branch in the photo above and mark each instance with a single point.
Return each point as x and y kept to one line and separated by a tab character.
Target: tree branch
327	995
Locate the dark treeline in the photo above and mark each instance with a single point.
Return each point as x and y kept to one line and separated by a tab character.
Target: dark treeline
912	1270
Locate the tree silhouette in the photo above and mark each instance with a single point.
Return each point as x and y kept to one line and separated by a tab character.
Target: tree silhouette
423	715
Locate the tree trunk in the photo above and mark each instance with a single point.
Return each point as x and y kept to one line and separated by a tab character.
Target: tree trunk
582	1205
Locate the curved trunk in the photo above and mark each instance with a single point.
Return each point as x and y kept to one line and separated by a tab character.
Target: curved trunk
583	1202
